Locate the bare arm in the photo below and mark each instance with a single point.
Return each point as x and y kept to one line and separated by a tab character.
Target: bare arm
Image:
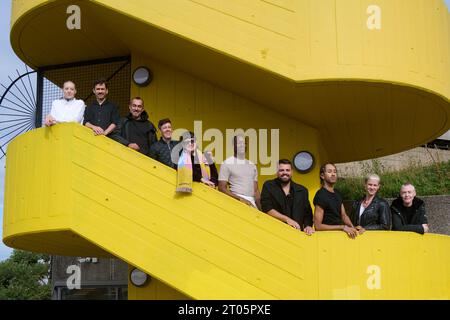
345	217
318	218
257	195
110	129
274	213
223	187
97	130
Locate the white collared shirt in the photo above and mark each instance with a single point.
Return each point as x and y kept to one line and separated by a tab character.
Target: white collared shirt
68	110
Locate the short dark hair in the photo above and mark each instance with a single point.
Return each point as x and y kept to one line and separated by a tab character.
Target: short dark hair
284	161
100	81
323	168
136	98
163	122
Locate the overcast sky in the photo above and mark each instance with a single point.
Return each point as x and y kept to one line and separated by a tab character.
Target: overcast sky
8	65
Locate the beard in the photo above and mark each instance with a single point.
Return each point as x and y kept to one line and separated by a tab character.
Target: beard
284	179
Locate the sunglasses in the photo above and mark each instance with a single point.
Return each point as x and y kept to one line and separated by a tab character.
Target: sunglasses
189	141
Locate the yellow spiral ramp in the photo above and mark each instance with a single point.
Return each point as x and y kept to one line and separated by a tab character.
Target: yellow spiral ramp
370	92
71	193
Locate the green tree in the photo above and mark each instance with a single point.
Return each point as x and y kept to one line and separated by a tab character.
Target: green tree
24	276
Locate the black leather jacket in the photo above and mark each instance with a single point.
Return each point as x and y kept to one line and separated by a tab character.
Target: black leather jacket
399	220
376	216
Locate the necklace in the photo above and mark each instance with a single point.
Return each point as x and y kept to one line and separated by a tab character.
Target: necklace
366	202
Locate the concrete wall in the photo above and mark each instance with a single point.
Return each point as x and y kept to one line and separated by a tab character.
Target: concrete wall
417	156
438	212
102	273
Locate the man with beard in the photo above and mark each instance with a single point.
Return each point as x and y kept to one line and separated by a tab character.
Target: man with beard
329	212
135	130
102	116
286	200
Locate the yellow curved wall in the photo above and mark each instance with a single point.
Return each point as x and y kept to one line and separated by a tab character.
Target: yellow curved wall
69	192
184	99
368	93
307	40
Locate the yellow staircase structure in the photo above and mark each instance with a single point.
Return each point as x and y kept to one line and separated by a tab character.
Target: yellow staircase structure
69	192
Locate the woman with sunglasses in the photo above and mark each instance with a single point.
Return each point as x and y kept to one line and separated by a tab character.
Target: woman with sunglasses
193	165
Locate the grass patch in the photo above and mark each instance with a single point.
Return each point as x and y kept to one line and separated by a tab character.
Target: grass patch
428	180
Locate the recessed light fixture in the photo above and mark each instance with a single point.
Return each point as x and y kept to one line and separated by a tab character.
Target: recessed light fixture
138	278
303	161
142	76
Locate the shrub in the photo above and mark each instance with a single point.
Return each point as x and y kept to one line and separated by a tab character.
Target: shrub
428	180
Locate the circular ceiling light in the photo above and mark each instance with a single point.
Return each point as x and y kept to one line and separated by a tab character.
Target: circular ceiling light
303	161
138	278
142	76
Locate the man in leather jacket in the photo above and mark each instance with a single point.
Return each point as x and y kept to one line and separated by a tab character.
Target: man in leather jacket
408	211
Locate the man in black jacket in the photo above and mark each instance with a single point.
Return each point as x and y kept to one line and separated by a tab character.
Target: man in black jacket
287	201
135	130
102	116
408	211
162	149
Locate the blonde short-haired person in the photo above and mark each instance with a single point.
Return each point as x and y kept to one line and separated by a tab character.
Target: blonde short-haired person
408	211
372	212
66	109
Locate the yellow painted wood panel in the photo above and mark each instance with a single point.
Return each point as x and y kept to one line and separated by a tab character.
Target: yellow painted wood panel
207	245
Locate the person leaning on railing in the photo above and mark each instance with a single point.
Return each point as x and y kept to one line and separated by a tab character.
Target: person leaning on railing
408	211
372	212
329	211
66	109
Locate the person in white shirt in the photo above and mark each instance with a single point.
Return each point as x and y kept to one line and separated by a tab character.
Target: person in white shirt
66	109
241	176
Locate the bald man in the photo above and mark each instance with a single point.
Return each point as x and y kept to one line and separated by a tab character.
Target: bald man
408	211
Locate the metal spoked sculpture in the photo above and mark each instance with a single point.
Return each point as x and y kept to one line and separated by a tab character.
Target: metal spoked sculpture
18	105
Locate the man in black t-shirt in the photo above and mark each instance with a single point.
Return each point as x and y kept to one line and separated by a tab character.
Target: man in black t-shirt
329	211
408	211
